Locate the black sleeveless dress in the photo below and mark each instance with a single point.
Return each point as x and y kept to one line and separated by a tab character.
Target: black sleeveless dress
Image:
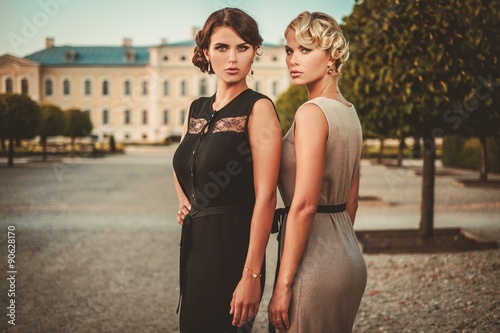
214	168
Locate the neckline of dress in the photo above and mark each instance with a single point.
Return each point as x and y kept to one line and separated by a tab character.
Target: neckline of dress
213	112
335	100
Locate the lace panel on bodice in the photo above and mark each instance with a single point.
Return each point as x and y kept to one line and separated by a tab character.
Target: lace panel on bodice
196	125
228	124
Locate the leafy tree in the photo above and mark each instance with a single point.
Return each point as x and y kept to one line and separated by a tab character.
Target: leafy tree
19	119
78	125
410	63
52	124
288	103
3	146
368	78
478	114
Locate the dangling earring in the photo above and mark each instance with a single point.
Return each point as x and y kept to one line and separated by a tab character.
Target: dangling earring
251	72
209	68
330	70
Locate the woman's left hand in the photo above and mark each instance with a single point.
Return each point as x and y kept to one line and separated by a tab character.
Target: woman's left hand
246	300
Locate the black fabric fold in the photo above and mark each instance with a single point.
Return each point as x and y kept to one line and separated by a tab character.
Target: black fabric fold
187	234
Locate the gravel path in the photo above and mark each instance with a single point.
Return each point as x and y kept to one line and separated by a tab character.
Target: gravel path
432	293
97	251
126	281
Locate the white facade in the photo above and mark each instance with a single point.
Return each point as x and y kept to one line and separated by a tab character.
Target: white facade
138	95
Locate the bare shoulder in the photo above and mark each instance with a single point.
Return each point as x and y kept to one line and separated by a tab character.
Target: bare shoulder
311	114
263	105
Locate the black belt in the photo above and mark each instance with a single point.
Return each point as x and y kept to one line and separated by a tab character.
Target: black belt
279	219
280	214
187	234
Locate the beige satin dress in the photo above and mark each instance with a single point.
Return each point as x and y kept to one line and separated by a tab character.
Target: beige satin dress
331	276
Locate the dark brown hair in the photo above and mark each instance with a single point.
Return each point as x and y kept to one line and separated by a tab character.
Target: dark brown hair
244	25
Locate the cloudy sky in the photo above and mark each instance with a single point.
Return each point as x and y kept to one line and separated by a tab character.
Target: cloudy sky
24	24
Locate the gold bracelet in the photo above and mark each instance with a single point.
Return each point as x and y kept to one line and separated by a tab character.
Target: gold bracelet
252	274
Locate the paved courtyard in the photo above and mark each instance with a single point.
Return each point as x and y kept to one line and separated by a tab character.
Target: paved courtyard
97	241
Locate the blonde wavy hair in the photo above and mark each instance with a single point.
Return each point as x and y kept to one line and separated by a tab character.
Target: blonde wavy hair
320	30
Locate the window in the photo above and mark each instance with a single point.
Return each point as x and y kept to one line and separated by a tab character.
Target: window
130	55
48	87
126	88
274	58
257	86
9	87
144	117
70	55
275	88
105	88
203	87
165	88
183	116
66	87
24	87
105	117
183	88
165	117
88	87
144	136
126	119
144	88
183	58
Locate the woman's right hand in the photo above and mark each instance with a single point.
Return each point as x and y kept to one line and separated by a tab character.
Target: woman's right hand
184	209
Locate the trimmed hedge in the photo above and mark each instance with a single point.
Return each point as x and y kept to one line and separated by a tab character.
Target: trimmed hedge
465	153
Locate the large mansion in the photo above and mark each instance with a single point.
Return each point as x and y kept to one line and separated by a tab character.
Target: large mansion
137	94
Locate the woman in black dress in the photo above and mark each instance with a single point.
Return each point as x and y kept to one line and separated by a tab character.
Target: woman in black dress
226	169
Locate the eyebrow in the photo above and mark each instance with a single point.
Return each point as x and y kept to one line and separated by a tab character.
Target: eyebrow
225	44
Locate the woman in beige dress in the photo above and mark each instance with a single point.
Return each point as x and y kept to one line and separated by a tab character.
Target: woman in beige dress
322	273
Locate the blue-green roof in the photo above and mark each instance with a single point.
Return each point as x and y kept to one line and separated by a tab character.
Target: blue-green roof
100	55
91	56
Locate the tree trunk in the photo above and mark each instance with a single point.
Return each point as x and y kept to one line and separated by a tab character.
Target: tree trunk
428	175
43	140
401	148
381	152
4	148
73	146
416	152
483	173
10	162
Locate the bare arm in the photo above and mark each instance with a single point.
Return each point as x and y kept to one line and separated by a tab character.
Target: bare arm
265	141
311	133
352	200
184	204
